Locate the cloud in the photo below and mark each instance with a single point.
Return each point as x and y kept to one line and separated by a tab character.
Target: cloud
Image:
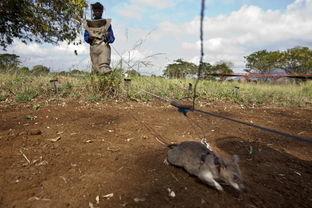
132	11
57	57
299	5
158	4
137	9
249	29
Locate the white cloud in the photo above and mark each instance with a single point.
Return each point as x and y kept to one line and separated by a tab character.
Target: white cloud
159	4
135	8
132	11
242	32
133	55
57	57
300	5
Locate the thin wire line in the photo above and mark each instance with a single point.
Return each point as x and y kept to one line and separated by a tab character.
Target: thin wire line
202	15
255	126
161	139
234	120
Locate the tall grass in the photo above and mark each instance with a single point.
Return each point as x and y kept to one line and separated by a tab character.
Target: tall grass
23	88
241	93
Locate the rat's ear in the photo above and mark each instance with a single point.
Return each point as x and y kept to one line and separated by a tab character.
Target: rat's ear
235	159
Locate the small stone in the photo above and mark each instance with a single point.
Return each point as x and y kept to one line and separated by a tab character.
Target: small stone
171	193
136	200
91	205
108	196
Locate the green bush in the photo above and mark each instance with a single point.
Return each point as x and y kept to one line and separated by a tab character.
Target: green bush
26	95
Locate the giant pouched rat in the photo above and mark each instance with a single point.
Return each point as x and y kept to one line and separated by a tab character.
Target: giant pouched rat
199	161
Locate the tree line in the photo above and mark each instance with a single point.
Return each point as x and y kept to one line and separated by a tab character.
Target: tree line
11	63
297	60
182	69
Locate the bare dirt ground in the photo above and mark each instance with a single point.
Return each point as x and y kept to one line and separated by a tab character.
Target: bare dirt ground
106	155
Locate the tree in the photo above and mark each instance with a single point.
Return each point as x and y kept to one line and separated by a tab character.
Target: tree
23	69
262	61
206	68
40	20
296	60
133	73
40	69
180	69
222	67
76	71
9	61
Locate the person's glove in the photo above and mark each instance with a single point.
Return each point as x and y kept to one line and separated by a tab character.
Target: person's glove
106	37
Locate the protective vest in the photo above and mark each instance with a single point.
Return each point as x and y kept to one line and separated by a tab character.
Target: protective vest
100	51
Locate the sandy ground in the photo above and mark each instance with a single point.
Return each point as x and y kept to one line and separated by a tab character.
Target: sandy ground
106	155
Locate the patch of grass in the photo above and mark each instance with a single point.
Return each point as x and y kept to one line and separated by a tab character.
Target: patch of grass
95	88
30	117
26	95
22	98
66	89
2	98
94	99
108	86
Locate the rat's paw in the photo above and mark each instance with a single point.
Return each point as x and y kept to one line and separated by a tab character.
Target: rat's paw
218	187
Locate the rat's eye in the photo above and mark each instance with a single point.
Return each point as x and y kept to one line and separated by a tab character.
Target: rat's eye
235	178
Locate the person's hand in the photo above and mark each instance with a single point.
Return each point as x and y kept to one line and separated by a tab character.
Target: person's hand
91	37
106	36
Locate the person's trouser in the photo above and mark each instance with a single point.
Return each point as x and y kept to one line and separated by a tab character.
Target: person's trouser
101	58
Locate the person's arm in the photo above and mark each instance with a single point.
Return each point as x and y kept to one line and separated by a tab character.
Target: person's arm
111	37
86	37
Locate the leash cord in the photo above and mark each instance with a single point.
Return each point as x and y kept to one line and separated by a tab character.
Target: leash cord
256	126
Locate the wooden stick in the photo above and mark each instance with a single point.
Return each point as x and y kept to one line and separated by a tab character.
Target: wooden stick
25	156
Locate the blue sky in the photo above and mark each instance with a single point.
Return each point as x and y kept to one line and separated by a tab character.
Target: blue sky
179	11
233	29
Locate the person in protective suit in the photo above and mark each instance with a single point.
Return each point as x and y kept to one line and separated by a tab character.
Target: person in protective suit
99	34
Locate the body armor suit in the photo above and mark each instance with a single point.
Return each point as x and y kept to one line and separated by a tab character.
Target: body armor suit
100	51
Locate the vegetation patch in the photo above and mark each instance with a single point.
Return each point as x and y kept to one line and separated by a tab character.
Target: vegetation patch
94	88
2	98
26	95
